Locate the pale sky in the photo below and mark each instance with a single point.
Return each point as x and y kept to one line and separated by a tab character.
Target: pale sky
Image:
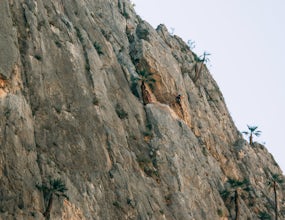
246	39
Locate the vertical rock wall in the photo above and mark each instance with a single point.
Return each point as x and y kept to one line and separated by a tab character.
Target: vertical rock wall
72	109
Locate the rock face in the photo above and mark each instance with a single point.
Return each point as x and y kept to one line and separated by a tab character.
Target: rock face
72	109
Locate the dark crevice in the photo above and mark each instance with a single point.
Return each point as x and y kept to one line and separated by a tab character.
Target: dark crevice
85	53
20	21
22	37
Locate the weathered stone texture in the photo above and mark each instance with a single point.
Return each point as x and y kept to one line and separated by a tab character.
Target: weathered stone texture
71	106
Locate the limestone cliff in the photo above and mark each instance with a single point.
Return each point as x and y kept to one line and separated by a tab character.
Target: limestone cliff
89	95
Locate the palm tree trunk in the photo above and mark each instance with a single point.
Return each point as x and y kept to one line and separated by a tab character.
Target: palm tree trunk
143	88
145	94
276	200
237	204
250	139
181	110
198	71
49	206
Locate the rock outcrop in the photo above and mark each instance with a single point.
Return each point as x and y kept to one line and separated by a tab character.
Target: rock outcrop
72	109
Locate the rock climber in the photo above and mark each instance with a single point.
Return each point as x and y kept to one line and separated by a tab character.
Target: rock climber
178	98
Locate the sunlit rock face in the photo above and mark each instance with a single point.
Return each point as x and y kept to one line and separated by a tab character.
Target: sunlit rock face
126	117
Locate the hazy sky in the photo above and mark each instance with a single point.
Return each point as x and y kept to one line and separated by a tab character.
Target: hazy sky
247	41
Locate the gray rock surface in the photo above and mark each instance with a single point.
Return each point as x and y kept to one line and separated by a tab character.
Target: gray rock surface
71	106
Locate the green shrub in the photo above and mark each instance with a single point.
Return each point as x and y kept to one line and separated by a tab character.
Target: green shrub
126	15
79	35
143	34
220	212
149	126
142	159
58	44
98	48
87	66
95	101
168	199
106	34
134	84
147	166
122	114
264	215
41	24
117	204
38	57
204	151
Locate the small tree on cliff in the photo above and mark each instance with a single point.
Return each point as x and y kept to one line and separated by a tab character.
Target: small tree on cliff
145	78
252	131
200	60
276	180
237	188
56	187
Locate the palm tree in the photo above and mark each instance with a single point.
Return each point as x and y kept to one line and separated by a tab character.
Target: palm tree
275	181
252	131
144	78
55	187
234	193
264	216
201	59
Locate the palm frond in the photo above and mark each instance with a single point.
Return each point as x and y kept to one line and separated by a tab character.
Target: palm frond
58	185
225	194
257	133
196	58
269	183
146	77
207	60
143	73
203	58
245	132
236	183
264	215
152	80
206	54
277	178
252	128
135	79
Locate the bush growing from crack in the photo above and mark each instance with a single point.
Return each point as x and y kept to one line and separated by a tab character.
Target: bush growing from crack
79	34
122	114
117	204
220	212
58	44
148	167
98	48
38	57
